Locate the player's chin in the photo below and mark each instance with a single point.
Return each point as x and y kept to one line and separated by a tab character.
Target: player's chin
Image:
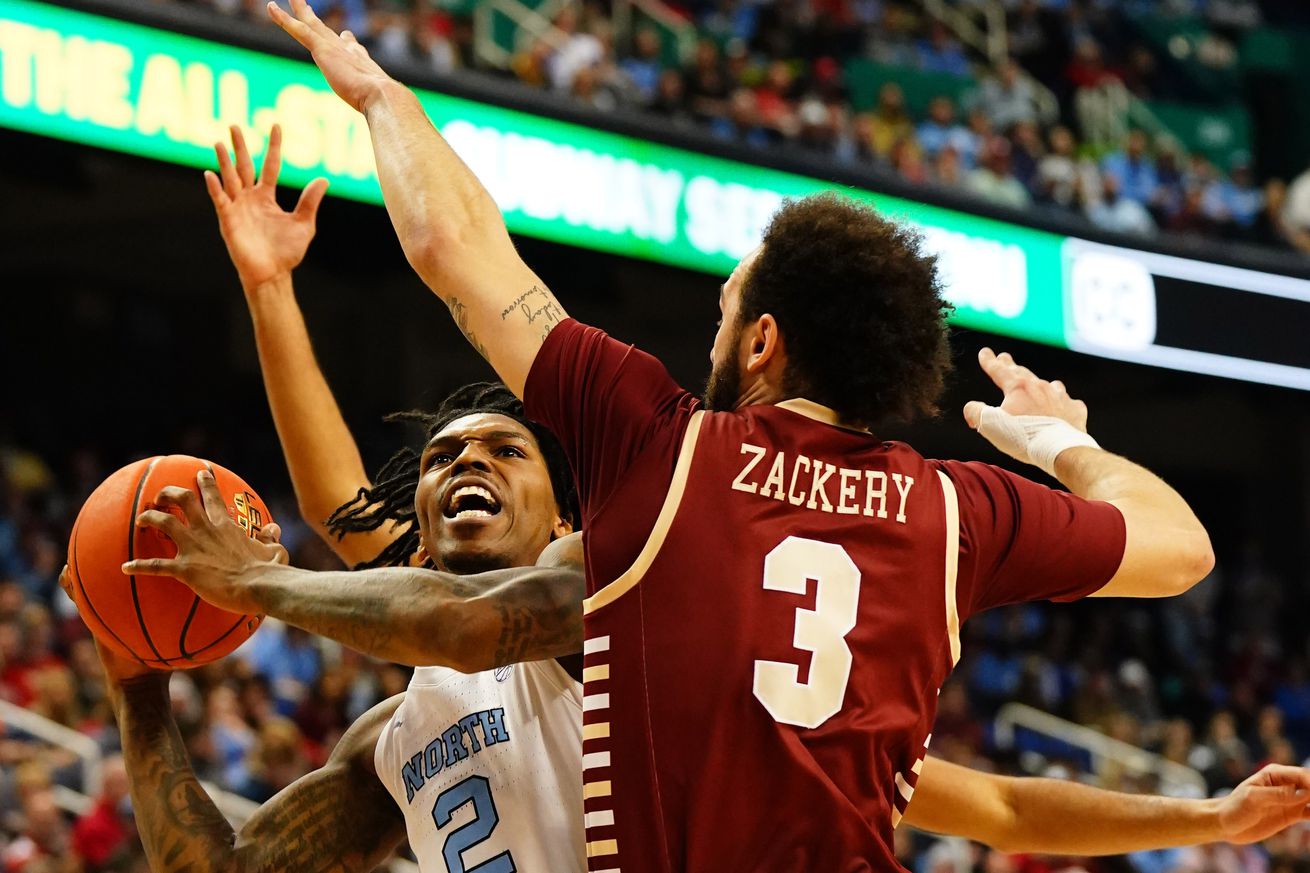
475	544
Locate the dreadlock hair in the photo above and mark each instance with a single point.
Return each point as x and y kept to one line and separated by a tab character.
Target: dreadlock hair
390	499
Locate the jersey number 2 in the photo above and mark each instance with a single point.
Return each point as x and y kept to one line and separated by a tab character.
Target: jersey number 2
821	631
477	791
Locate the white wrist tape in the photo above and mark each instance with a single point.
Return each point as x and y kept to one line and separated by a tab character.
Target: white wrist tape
1033	439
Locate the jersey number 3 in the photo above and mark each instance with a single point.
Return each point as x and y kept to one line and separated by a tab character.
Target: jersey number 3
821	631
477	791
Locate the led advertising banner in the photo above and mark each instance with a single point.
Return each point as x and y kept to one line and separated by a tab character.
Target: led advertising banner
150	92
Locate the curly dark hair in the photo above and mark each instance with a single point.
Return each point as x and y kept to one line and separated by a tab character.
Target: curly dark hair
860	306
390	499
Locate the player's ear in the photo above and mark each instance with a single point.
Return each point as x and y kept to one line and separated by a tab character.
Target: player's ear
764	343
560	527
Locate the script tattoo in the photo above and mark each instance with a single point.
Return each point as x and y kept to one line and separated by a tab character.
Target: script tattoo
336	819
537	306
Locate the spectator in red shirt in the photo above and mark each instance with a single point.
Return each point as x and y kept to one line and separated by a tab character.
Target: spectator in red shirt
104	830
1087	69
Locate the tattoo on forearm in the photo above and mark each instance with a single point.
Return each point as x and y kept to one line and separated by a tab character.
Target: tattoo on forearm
373	611
319	824
538	307
460	313
533	627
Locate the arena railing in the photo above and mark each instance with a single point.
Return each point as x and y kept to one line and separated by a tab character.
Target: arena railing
1175	779
529	24
15	717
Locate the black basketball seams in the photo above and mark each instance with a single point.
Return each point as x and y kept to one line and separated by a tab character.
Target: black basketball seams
86	598
131	553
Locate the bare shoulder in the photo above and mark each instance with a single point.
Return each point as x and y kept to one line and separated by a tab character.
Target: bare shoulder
565	553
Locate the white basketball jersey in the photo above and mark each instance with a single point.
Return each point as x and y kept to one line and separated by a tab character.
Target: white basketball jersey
487	768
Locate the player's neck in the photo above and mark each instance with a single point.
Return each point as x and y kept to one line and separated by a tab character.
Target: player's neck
760	392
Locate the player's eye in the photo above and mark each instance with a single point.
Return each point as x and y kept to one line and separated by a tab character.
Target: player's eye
437	459
511	452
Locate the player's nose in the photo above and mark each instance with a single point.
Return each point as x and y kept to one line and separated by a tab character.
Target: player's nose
471	457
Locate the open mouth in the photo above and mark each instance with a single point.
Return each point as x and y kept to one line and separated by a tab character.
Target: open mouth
471	501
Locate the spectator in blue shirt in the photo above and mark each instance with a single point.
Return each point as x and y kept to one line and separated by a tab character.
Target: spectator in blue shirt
941	53
742	121
941	130
1134	169
644	67
1235	198
288	658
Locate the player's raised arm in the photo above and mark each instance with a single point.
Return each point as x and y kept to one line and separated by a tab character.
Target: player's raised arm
1065	818
408	615
266	244
448	224
1167	550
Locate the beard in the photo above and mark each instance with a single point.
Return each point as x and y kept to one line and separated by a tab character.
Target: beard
723	388
471	561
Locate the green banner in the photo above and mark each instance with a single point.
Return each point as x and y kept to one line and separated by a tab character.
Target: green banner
150	92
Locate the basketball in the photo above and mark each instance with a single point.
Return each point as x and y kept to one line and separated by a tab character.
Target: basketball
155	620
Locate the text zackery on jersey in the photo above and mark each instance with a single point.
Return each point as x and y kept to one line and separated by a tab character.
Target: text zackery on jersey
449	747
806	482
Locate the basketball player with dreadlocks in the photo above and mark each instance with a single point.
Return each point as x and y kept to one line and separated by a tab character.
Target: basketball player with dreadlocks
480	771
820	637
388	522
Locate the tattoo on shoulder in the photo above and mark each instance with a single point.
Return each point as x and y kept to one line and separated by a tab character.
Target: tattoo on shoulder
537	307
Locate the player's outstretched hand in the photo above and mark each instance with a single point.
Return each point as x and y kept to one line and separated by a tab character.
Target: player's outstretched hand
264	241
1036	420
1268	802
215	558
1025	394
345	64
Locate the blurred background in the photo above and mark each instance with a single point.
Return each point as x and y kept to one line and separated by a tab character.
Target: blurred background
1167	139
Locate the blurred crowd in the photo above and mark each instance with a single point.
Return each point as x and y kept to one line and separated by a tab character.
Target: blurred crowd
773	73
1207	680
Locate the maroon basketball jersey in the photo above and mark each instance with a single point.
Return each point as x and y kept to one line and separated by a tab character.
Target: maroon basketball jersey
775	601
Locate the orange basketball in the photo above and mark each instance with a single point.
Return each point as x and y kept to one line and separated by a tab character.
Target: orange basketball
155	620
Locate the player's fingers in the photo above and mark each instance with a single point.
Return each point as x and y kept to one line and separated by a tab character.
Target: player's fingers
348	38
165	522
270	534
310	198
1059	387
973	413
184	499
231	182
66	581
215	506
1282	774
154	567
305	13
293	26
215	189
272	158
245	166
999	368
